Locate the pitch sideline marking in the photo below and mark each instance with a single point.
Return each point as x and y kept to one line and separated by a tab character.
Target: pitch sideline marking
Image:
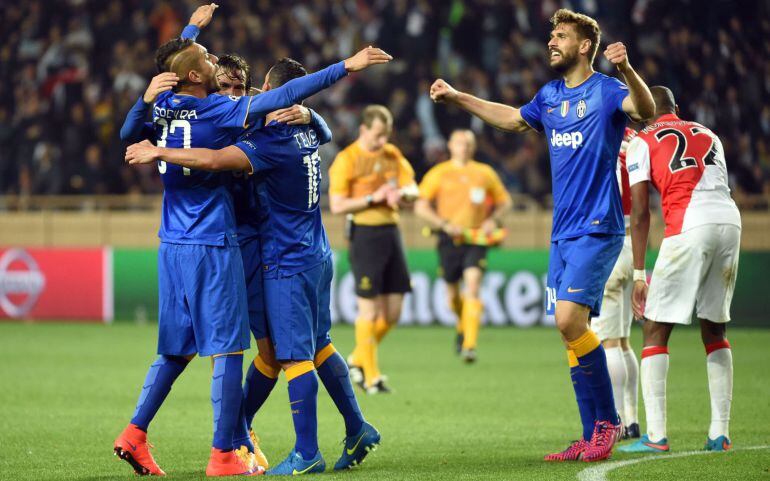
599	473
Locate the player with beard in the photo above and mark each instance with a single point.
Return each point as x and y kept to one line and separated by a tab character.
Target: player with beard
583	114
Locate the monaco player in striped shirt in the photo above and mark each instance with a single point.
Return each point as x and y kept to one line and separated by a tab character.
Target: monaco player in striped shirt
697	265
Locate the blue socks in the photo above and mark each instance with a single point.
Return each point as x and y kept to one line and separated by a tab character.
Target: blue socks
157	385
335	376
303	396
596	375
226	397
585	402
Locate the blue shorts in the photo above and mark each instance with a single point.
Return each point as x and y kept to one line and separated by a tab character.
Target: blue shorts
251	251
298	312
202	296
578	269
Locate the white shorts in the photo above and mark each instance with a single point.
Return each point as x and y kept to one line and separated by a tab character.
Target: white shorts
615	318
695	270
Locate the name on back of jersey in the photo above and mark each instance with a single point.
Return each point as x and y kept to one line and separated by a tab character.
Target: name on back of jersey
307	139
161	112
567	139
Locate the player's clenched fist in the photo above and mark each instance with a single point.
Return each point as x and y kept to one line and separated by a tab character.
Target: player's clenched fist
142	153
202	15
441	91
160	83
365	58
617	55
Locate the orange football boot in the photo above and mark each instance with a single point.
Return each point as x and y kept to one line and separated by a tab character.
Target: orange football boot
132	447
228	463
258	454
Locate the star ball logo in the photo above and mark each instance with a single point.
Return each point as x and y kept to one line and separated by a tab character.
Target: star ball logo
21	282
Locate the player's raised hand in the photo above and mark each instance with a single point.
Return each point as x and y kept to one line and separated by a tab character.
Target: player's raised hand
141	153
294	115
202	15
160	83
441	91
639	299
617	55
366	58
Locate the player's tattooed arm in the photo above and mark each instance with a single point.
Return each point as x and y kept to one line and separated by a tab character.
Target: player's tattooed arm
503	117
639	104
229	158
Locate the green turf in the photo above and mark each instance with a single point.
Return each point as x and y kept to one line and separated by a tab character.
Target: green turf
68	390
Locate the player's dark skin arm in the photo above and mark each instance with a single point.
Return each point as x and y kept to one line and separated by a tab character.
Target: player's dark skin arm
640	231
229	158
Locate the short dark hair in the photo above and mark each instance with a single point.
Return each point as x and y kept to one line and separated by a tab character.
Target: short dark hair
664	99
585	26
231	63
284	70
169	50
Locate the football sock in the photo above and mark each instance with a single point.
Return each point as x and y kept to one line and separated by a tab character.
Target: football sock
653	372
616	366
226	398
241	434
631	389
259	383
381	328
593	363
334	374
366	349
303	393
719	364
471	320
156	387
456	304
585	400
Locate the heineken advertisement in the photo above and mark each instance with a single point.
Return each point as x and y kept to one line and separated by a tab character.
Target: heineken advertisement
512	291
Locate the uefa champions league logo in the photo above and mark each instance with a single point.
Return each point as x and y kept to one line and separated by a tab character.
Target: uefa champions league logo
21	282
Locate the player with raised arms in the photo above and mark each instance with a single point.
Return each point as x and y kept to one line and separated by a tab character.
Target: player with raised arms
456	196
297	271
199	246
697	265
583	115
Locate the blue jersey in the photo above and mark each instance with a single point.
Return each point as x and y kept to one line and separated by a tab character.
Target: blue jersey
197	207
288	191
584	127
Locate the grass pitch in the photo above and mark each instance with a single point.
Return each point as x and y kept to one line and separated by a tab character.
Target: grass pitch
68	390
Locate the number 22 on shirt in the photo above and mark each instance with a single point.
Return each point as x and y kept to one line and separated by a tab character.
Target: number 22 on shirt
186	139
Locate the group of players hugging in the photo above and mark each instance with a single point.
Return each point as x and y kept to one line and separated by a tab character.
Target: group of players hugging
243	249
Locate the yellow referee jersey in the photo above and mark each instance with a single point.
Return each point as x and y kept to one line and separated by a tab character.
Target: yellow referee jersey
464	195
357	173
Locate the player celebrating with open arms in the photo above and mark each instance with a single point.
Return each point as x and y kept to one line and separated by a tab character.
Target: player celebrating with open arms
583	114
369	179
462	191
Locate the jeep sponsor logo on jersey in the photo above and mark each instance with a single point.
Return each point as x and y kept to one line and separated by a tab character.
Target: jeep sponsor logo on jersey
567	139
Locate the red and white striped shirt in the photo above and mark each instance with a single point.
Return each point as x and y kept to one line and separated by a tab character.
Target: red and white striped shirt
685	161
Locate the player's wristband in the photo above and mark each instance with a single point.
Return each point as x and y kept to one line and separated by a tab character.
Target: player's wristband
369	200
640	275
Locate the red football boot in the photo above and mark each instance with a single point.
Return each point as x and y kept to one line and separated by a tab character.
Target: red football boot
227	463
604	438
132	447
573	453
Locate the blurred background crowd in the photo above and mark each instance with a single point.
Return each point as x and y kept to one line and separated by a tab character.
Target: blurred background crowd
73	68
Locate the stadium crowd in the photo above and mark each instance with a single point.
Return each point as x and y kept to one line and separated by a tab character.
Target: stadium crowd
72	69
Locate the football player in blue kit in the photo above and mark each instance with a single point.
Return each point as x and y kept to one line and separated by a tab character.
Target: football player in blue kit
583	115
199	245
297	271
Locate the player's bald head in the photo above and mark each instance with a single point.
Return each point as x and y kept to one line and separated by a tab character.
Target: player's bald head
664	100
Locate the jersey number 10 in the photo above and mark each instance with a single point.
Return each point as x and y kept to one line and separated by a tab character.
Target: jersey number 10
186	139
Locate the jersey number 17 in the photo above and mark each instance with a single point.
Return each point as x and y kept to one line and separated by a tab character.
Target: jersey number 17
186	139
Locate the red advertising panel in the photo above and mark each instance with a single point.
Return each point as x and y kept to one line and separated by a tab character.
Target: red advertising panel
53	284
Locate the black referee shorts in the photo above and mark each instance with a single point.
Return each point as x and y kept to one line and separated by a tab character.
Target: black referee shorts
378	261
455	258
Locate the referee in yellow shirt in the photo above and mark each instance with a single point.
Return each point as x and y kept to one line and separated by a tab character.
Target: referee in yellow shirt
370	179
456	196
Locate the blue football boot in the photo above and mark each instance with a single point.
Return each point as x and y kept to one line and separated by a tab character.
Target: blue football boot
357	447
295	465
644	445
722	443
